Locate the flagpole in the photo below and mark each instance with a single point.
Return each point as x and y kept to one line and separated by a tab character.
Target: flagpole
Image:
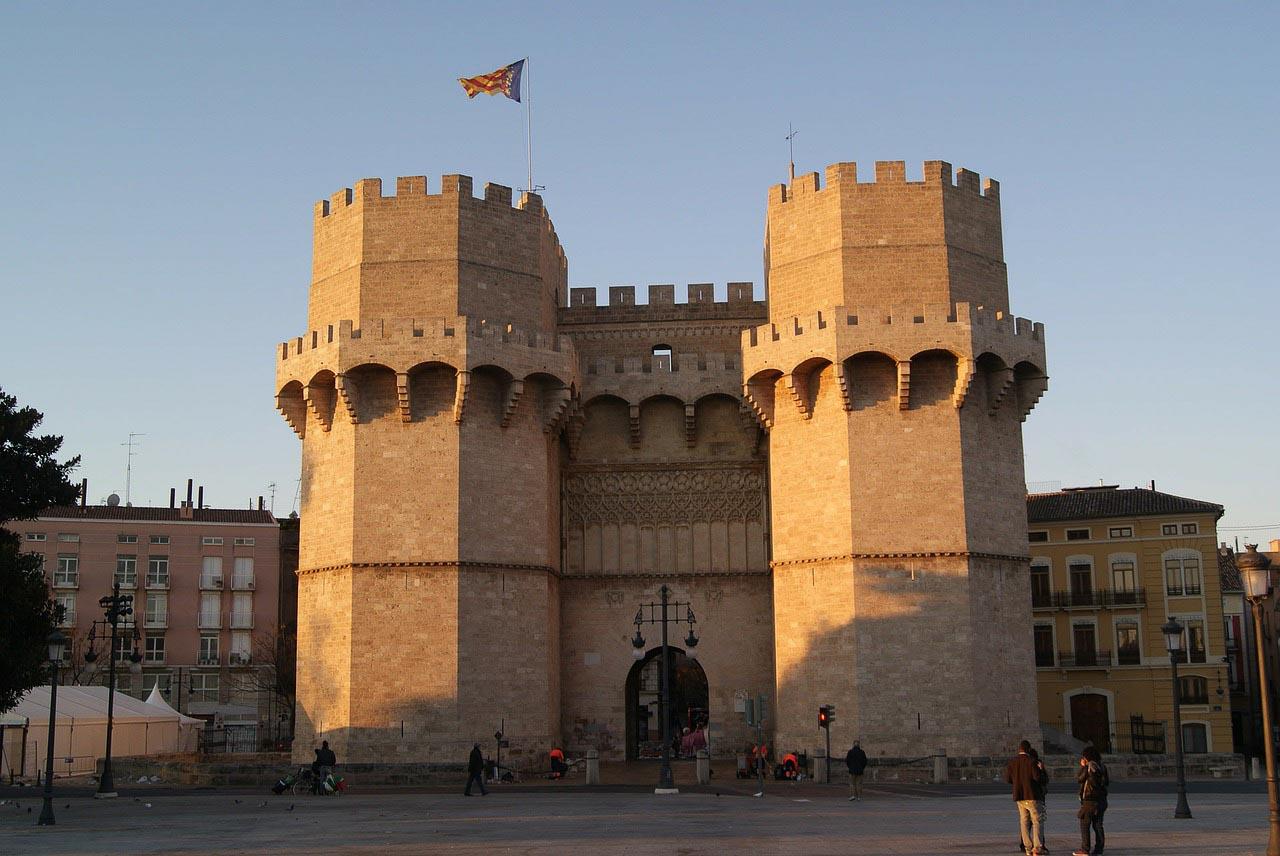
528	121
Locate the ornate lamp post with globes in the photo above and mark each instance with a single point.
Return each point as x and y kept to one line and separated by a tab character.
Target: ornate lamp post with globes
1256	570
56	643
117	608
657	613
1174	641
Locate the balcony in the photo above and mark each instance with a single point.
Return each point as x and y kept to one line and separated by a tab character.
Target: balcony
239	583
207	660
241	620
158	582
157	620
1084	659
210	621
68	619
1090	599
239	659
210	582
1195	698
126	581
66	581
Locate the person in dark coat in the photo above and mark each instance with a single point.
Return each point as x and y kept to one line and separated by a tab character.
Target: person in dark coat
475	771
856	761
324	758
1022	774
1094	784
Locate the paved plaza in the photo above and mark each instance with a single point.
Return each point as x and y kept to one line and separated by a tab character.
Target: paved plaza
897	820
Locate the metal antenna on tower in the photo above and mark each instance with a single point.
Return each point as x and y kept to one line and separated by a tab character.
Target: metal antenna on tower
128	467
791	149
272	487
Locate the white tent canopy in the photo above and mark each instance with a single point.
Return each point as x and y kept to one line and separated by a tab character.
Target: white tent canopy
139	728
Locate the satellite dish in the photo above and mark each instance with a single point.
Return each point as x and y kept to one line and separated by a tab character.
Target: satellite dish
113	500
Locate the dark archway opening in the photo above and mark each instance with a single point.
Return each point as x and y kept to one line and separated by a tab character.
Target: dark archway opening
689	702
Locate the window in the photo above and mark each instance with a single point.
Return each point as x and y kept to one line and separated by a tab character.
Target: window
1193	689
210	609
1195	738
159	539
157	609
211	541
68	572
240	643
1121	532
126	539
204	687
35	536
1041	582
124	647
242	576
1193	641
1182	574
1038	537
127	571
163	680
1169	529
1127	650
1085	639
1190	529
1080	572
242	610
1124	576
1077	534
662	358
124	682
208	649
154	652
157	572
211	572
245	542
69	537
67	603
1044	645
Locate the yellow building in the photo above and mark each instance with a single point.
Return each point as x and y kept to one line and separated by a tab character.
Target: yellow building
1108	568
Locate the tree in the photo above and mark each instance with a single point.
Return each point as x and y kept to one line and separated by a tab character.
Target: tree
273	673
31	480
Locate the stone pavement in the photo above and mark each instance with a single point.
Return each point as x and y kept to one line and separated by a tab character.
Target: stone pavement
590	822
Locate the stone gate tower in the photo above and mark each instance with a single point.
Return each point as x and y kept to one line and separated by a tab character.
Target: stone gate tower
893	382
428	392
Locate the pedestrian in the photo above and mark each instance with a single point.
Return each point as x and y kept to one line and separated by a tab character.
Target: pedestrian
856	761
475	772
1041	787
1021	773
1094	781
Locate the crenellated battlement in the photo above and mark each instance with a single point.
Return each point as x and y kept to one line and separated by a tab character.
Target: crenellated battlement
411	188
402	329
888	175
697	294
677	364
911	319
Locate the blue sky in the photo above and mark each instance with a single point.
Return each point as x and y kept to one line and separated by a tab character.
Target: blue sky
160	163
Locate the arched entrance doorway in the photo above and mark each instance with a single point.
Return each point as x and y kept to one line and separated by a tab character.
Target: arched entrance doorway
689	701
1091	720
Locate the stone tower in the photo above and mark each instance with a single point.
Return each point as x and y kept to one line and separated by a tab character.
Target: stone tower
893	382
428	393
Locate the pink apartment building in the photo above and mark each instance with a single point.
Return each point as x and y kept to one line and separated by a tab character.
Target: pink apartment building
205	583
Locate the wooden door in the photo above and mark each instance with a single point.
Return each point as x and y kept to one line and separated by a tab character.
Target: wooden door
1090	720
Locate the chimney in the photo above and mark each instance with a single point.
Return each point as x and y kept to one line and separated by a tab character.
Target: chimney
184	513
200	499
260	505
1275	545
189	484
173	497
84	492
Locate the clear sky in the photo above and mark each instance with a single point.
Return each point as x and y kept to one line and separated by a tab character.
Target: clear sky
160	163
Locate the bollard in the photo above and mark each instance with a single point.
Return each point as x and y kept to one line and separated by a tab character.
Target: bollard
704	767
593	767
940	767
1255	769
821	766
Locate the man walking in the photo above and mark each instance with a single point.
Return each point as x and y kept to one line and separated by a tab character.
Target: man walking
1022	774
475	772
856	761
1094	783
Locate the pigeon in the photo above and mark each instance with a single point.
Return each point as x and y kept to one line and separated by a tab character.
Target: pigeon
290	806
137	799
68	805
237	801
262	804
147	805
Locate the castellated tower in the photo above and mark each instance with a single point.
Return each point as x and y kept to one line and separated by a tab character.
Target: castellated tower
893	382
429	392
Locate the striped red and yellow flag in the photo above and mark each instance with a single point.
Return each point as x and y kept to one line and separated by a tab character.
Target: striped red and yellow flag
504	81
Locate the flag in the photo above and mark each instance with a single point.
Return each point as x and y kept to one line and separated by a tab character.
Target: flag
504	81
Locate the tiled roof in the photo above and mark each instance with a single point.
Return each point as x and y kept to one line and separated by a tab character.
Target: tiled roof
148	513
1228	572
1102	502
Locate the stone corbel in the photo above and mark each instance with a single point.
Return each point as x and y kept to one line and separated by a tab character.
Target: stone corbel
964	378
904	384
1029	391
842	380
461	388
347	392
690	426
402	396
798	386
559	407
763	416
289	410
514	391
1001	382
633	415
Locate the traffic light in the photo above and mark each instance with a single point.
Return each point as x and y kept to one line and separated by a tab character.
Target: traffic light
826	713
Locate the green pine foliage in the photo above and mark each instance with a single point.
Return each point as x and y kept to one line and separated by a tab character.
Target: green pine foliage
31	480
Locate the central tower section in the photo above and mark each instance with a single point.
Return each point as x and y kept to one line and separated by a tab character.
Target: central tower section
428	391
893	383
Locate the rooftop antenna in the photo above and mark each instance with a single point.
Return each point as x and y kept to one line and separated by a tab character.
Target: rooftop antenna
791	149
272	486
297	493
128	467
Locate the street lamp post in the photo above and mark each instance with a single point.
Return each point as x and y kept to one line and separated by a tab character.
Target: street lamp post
1173	640
1256	570
117	608
658	613
56	643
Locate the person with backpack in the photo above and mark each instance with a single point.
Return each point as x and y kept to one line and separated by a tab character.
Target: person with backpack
1094	784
